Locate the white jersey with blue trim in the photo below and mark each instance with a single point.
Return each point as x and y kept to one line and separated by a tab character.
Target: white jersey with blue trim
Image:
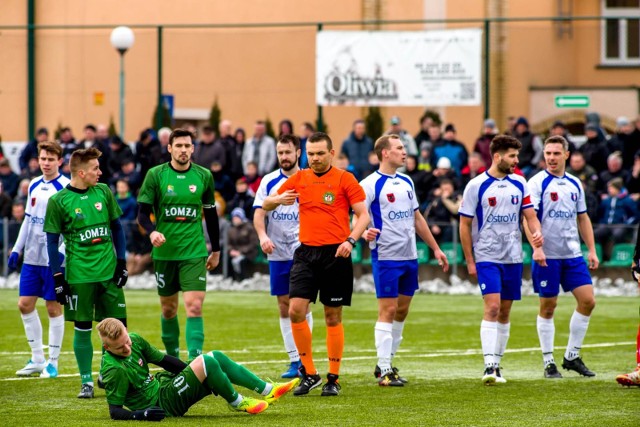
558	201
283	223
32	238
496	206
392	203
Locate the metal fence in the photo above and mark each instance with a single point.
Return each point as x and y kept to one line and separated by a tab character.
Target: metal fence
618	253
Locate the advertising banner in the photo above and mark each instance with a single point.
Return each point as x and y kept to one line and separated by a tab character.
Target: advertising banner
400	68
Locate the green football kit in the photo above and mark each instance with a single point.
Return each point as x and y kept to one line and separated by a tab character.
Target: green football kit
177	199
84	218
129	383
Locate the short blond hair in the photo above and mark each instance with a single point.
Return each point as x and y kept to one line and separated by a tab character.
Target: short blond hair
110	328
384	143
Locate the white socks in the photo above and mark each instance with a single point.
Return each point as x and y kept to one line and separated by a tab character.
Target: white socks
287	336
384	342
503	330
396	333
56	333
577	330
33	330
310	320
489	339
546	334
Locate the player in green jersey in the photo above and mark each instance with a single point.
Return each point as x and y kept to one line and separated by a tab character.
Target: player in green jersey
87	215
125	370
180	193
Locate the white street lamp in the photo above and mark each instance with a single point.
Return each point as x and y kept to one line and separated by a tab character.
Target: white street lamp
122	39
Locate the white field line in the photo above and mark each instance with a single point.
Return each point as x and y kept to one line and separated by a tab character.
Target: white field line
407	354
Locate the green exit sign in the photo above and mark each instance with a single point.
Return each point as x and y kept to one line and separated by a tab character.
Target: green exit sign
572	101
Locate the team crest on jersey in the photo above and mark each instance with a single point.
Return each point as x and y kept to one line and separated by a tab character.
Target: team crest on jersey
515	199
554	197
328	198
33	201
391	197
140	362
193	188
98	206
492	201
574	197
410	194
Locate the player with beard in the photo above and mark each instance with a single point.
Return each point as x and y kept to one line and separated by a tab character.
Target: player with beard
180	193
279	240
490	215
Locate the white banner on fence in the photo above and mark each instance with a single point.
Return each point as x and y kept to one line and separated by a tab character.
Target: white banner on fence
425	68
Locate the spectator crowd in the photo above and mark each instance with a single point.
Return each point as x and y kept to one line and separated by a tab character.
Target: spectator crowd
440	166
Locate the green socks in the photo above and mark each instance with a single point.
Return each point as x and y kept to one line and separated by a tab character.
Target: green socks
194	333
171	335
83	349
195	336
216	379
238	374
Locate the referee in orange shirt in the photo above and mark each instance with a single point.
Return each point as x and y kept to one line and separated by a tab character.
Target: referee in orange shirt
322	263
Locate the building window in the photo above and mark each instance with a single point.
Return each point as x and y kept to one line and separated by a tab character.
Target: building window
620	32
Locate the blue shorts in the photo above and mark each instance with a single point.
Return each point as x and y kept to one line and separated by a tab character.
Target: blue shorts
37	281
395	277
279	274
570	273
505	279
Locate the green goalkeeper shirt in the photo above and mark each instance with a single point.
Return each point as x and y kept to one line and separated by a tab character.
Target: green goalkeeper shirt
127	379
84	219
177	198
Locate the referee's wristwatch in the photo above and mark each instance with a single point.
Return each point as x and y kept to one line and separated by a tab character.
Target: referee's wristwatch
352	241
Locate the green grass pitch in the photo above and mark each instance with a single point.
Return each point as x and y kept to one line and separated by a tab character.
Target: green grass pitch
440	356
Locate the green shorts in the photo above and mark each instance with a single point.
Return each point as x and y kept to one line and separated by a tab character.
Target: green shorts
105	297
179	392
185	275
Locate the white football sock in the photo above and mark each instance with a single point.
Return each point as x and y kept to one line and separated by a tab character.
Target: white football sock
56	334
546	334
488	338
503	330
577	330
310	320
287	337
384	342
396	332
33	330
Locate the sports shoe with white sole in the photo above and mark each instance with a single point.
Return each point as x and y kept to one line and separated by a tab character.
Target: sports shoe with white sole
630	379
31	368
499	378
49	372
489	377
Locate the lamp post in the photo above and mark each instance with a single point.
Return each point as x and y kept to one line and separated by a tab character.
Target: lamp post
122	39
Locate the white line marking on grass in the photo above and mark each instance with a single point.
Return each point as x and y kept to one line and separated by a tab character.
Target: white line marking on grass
441	353
272	349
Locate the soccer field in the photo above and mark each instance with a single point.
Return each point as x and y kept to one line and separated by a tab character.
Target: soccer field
440	356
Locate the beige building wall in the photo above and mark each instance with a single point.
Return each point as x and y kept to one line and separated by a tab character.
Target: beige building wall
269	72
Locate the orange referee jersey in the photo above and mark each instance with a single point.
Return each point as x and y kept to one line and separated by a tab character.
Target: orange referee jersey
324	204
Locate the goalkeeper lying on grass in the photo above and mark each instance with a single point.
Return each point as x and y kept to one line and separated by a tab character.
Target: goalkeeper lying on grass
128	383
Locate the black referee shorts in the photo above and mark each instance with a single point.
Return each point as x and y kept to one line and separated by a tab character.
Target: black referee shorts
317	269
